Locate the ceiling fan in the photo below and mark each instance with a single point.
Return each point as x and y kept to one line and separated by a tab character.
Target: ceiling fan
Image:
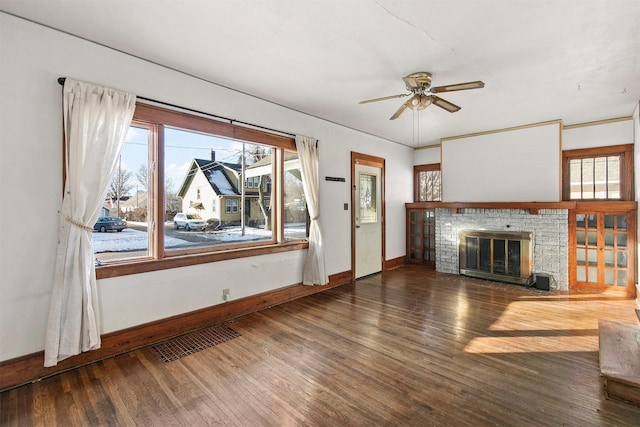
419	84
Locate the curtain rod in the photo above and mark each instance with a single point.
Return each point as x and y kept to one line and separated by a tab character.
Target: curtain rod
61	80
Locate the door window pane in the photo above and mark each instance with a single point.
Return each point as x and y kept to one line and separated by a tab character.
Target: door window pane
609	258
622	240
368	207
608	240
621	259
609	221
622	278
609	277
622	222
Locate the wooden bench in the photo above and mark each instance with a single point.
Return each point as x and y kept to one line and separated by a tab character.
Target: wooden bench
620	360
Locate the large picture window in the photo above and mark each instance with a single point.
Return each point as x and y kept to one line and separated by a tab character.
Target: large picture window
603	173
191	185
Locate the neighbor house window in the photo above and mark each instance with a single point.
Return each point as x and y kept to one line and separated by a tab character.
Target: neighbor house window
252	182
427	185
176	163
231	206
602	173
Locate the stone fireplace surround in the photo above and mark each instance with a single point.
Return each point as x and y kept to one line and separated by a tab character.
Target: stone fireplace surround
548	225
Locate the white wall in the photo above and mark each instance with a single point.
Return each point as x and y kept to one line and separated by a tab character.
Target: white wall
597	135
520	165
427	156
32	59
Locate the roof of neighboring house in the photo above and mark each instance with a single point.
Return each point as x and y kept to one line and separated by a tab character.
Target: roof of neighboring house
135	201
217	175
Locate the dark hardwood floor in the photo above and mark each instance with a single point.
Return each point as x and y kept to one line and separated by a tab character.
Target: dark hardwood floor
409	347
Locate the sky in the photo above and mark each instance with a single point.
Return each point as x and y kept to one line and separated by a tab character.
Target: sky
181	147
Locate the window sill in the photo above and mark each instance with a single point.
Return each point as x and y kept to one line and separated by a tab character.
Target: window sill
146	265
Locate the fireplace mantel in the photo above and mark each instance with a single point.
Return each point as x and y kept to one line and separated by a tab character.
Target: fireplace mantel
532	207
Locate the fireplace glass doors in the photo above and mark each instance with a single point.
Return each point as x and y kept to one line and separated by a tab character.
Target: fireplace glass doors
504	256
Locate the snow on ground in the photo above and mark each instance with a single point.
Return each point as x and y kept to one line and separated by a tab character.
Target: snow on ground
134	240
127	240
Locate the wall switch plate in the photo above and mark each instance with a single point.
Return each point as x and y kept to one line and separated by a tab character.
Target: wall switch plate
346	206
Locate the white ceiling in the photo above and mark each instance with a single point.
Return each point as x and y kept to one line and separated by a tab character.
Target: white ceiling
575	60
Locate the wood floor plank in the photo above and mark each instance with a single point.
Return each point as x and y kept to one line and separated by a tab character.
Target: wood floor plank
408	347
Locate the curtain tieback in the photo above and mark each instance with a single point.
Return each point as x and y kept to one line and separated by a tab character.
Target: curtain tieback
78	224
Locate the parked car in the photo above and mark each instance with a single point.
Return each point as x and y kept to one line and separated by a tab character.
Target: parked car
109	223
189	222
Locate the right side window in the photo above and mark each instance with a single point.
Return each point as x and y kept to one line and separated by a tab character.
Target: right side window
427	183
603	173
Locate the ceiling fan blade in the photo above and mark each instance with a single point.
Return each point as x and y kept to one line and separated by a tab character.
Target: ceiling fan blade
460	86
401	109
446	105
384	98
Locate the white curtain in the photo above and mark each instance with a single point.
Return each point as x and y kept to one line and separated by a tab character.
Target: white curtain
314	268
96	121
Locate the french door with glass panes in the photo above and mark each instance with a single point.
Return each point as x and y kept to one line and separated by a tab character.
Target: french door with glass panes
421	236
601	251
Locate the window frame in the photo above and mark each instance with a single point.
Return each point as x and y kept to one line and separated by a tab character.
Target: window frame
431	167
155	119
625	151
230	207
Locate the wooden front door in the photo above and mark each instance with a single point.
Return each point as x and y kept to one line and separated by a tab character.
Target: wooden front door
602	250
368	221
367	215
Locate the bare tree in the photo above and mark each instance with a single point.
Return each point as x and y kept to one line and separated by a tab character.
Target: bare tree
120	185
143	176
172	203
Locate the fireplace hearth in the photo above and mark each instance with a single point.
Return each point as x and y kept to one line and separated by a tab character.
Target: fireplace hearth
496	255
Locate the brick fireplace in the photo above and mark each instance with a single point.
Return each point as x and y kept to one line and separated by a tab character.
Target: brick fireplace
548	227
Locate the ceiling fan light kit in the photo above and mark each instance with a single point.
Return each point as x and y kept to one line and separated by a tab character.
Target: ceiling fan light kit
419	85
